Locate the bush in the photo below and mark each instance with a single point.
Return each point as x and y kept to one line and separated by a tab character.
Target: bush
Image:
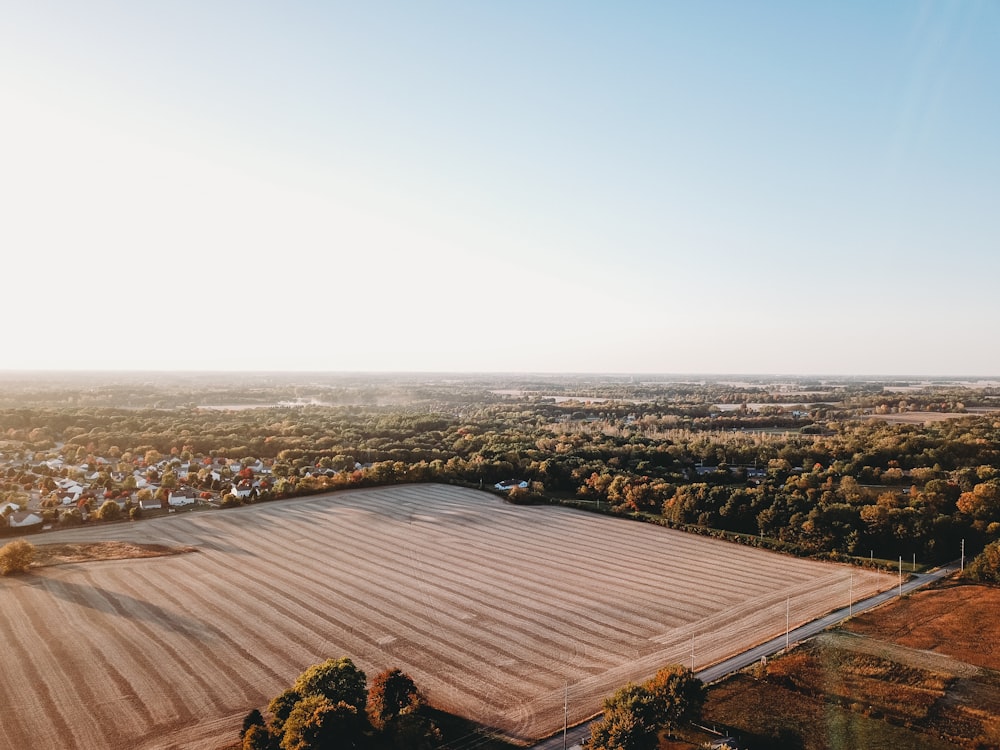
71	517
109	511
985	568
16	557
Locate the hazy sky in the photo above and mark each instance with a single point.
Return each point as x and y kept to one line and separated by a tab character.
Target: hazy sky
675	187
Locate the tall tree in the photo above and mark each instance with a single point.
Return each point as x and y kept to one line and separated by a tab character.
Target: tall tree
338	680
392	694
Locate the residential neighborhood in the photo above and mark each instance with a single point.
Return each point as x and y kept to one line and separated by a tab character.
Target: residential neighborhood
44	490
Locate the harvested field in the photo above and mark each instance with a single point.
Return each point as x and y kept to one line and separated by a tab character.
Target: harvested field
491	608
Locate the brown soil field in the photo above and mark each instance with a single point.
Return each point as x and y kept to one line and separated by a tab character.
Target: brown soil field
956	619
491	608
62	554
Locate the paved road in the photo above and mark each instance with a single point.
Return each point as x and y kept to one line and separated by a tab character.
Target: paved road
575	735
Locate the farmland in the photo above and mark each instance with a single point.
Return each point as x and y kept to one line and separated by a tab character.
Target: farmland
493	609
919	672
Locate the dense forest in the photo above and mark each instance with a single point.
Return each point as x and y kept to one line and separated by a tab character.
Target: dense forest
842	468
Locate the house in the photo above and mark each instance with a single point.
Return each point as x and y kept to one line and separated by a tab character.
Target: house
69	497
13	506
244	489
510	484
151	504
182	497
25	519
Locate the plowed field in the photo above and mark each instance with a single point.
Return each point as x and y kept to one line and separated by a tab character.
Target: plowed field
491	608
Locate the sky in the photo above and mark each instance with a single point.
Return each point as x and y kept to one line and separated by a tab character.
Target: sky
634	187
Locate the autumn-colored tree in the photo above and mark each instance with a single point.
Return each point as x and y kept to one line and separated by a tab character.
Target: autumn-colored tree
392	693
986	565
109	511
16	557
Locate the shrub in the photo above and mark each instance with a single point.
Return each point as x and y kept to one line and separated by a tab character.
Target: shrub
16	557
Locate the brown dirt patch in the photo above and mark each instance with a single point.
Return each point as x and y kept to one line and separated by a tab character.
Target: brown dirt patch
78	552
957	619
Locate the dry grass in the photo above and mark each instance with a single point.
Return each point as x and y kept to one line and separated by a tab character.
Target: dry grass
78	552
772	715
960	620
491	608
899	685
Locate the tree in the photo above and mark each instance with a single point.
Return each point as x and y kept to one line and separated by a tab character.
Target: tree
71	517
677	695
337	680
411	731
635	714
317	723
16	557
252	719
258	738
627	722
623	726
391	695
280	708
109	511
985	567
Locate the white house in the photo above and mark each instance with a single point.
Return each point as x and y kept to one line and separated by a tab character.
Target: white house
243	489
25	519
151	504
180	498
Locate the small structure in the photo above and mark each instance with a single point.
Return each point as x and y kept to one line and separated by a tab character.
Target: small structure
510	484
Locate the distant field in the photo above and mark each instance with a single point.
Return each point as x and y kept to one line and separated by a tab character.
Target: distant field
922	417
492	608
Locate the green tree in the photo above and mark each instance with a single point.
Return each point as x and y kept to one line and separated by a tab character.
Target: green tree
337	680
627	722
16	557
280	707
635	714
317	723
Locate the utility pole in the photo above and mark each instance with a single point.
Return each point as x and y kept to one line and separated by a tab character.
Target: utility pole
963	554
565	711
850	607
787	600
692	652
914	562
900	575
